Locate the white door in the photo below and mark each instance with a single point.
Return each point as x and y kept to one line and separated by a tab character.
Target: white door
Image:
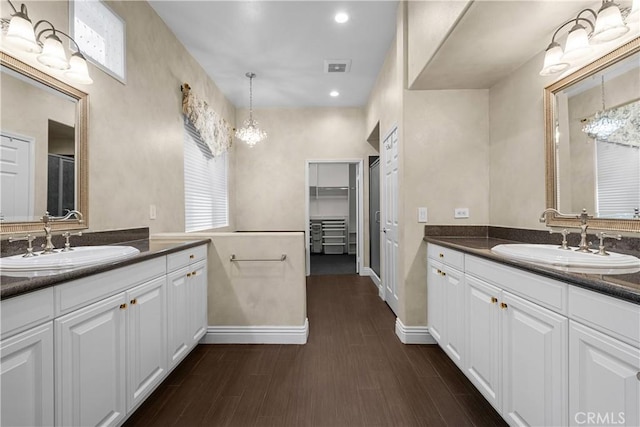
90	364
16	178
604	379
390	215
534	364
146	339
483	339
179	318
26	378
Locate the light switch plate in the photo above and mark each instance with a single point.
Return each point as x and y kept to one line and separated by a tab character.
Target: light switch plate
422	214
461	213
152	212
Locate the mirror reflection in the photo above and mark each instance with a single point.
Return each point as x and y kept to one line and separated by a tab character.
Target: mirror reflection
597	142
38	149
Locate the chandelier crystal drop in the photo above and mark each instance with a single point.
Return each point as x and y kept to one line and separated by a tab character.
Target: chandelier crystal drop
601	126
250	132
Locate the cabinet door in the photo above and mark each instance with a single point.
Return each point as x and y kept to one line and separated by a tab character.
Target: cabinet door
454	314
26	378
178	316
90	364
482	342
534	364
198	300
604	379
146	339
435	300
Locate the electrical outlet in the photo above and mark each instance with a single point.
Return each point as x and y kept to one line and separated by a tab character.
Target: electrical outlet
152	212
461	213
422	214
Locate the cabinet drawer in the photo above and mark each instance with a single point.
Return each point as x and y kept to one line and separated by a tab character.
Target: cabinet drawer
445	255
78	293
546	292
26	311
188	256
614	317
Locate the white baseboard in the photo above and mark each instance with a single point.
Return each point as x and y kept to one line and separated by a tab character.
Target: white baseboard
413	334
257	334
368	271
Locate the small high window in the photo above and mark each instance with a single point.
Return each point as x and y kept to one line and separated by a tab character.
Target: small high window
100	34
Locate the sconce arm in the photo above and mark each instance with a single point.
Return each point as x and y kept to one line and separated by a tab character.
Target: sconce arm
54	30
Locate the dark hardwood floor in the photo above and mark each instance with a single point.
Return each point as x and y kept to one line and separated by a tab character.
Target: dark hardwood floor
352	372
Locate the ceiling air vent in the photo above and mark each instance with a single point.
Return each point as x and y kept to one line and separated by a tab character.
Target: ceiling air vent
337	65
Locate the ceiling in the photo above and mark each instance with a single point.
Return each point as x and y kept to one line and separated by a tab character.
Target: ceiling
285	43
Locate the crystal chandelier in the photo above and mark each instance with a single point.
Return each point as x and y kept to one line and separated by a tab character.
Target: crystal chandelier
250	132
601	126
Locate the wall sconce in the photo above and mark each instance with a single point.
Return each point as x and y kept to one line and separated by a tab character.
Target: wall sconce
607	25
21	35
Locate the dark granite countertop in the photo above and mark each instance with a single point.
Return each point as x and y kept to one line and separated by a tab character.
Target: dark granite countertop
622	286
13	286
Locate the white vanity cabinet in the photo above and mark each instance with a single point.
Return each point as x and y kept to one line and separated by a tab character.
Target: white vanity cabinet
26	360
446	301
517	354
90	374
604	368
187	315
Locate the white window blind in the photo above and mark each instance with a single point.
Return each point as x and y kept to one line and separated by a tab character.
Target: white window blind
205	184
618	179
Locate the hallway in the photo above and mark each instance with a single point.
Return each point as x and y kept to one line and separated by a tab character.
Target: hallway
352	372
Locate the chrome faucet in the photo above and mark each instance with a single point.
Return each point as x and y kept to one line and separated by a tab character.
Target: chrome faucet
47	246
583	217
584	246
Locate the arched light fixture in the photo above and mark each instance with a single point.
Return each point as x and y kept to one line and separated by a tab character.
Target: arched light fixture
250	132
21	35
606	25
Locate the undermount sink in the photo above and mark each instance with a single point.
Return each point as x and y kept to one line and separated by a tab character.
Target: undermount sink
59	262
569	260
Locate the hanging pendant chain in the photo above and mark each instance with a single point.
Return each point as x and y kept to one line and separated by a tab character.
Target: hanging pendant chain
603	92
251	98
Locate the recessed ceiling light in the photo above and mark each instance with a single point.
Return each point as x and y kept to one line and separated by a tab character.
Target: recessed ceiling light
341	17
334	93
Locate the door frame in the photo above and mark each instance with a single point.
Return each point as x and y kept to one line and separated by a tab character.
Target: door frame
360	212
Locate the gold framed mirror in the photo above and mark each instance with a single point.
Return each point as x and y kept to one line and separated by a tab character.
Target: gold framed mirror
44	131
585	168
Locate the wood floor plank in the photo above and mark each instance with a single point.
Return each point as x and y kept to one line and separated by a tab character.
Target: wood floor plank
352	372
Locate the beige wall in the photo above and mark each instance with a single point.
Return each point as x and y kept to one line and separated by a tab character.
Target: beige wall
253	293
444	159
270	177
135	129
446	165
517	160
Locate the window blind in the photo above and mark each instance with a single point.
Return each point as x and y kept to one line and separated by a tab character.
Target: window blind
618	179
205	184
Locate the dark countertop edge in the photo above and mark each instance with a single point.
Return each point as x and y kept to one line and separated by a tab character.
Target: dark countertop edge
25	285
584	281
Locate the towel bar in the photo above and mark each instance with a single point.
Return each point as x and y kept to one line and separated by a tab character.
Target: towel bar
234	259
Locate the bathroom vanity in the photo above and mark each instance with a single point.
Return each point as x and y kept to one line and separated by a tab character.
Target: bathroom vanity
544	347
88	346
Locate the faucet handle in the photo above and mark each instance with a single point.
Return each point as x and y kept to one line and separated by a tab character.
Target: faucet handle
29	238
565	233
603	235
67	235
